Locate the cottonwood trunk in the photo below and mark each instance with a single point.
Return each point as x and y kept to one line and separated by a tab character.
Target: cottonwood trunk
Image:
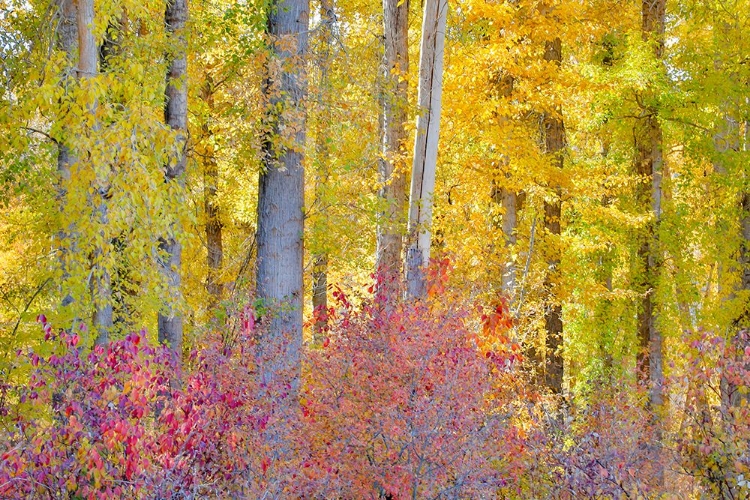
510	201
101	287
553	132
281	193
214	227
175	116
67	41
392	170
649	161
425	145
320	258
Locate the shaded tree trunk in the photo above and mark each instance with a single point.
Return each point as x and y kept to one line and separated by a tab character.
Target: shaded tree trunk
281	192
214	227
320	258
392	171
425	145
175	116
649	161
553	132
67	41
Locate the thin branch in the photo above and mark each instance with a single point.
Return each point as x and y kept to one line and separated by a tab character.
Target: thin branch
41	132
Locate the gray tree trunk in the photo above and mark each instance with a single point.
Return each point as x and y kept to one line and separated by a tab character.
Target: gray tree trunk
392	170
649	161
101	287
425	145
553	132
67	41
281	192
175	116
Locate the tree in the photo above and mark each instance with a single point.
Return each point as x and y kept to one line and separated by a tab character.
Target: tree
101	281
392	170
648	162
67	42
425	145
281	187
323	157
213	225
175	116
553	132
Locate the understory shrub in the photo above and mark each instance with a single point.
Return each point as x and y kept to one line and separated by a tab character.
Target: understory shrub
416	400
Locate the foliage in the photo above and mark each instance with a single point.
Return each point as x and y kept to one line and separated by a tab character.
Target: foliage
397	402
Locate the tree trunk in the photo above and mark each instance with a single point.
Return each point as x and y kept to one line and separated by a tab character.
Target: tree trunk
214	241
320	294
320	258
101	287
392	171
175	116
281	193
67	41
426	145
553	132
648	137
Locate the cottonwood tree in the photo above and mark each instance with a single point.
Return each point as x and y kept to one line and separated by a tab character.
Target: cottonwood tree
101	281
175	116
392	168
425	145
281	188
323	156
649	162
553	134
67	34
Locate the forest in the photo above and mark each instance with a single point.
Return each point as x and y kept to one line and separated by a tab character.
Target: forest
384	249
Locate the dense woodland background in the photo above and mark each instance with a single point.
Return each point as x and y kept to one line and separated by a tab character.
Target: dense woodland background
462	249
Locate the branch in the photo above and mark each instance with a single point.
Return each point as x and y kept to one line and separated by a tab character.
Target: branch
41	132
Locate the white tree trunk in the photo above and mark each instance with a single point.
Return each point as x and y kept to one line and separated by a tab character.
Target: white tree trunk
426	144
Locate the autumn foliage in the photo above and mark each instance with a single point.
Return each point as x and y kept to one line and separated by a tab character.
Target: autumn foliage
406	401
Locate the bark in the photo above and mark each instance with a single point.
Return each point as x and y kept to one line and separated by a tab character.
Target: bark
648	136
281	193
425	145
392	171
553	132
175	116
